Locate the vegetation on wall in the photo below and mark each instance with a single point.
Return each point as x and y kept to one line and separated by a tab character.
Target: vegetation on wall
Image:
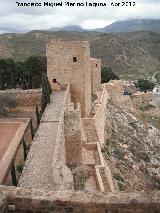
24	75
19	167
46	91
24	150
108	74
13	175
38	116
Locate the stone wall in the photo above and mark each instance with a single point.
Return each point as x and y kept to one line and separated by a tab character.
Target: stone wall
30	97
140	98
22	200
114	88
73	136
100	116
45	167
61	173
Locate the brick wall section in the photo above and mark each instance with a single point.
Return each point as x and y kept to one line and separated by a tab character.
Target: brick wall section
73	136
24	97
80	201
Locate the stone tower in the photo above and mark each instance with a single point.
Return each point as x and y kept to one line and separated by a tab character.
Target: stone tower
70	62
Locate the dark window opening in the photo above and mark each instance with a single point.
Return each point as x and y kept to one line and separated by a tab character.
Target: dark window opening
74	59
96	65
54	80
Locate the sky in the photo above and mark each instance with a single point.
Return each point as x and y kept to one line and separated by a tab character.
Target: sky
14	18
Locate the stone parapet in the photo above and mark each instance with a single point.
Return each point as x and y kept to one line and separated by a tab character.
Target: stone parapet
24	200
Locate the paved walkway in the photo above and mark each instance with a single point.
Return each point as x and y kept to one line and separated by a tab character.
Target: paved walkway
38	172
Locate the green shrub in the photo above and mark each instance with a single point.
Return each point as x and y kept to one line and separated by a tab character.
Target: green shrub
19	167
145	85
108	74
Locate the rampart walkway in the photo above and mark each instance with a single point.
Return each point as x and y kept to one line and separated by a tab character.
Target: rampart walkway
38	171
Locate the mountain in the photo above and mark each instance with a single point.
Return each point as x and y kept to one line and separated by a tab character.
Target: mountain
133	25
119	26
131	54
69	28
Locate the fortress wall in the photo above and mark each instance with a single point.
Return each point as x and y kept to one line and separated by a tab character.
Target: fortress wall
73	136
100	117
30	97
61	173
23	200
95	74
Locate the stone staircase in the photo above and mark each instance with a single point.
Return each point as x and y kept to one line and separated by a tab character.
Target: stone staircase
102	179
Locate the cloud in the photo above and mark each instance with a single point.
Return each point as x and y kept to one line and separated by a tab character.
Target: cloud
14	18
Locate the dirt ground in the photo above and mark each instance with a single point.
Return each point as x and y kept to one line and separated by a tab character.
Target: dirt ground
7	132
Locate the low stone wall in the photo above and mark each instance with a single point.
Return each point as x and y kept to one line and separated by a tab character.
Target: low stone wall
22	200
30	97
140	98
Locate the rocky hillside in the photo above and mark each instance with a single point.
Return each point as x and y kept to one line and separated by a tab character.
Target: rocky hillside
132	151
134	54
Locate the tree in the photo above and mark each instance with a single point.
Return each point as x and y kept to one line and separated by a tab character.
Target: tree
24	150
13	175
108	74
31	128
26	75
34	67
46	91
13	82
145	85
38	117
2	80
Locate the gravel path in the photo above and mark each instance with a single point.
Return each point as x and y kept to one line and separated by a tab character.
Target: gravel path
37	172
